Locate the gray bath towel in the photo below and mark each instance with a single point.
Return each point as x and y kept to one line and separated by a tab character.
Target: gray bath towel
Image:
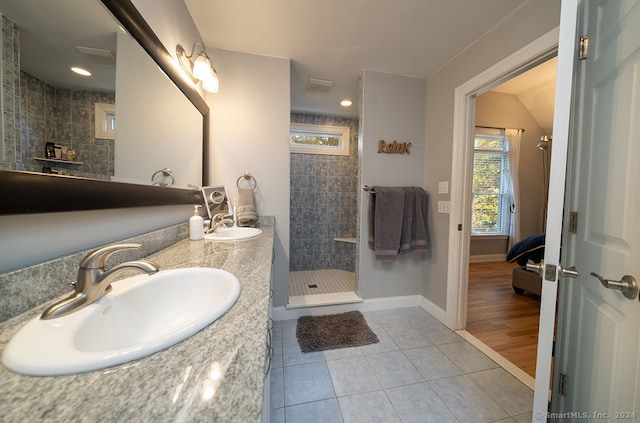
386	211
246	211
414	235
397	221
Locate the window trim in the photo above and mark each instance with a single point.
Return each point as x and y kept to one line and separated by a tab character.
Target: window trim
502	152
342	132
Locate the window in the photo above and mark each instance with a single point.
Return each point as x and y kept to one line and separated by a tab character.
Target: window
318	139
491	198
105	120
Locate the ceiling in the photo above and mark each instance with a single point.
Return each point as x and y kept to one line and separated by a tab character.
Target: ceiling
335	40
536	90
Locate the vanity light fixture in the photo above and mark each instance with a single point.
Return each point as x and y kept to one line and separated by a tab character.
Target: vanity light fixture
80	71
200	70
346	102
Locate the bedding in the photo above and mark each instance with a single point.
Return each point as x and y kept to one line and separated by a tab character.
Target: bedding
530	248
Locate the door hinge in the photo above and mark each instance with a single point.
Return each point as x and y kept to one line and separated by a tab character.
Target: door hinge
459	226
562	386
573	222
583	47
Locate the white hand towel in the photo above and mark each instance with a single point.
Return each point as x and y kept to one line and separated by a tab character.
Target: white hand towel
246	211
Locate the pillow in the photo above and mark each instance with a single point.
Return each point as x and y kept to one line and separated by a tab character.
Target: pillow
530	248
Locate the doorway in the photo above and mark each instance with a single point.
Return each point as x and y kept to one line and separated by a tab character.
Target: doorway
503	298
466	95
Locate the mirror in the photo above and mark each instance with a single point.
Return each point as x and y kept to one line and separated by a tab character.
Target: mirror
103	154
216	201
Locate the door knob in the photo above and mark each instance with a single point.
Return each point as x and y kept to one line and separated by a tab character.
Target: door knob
628	285
535	267
549	271
569	273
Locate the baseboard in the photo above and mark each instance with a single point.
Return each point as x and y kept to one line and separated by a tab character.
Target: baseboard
487	257
371	304
434	310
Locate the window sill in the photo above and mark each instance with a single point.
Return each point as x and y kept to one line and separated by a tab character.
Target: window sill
489	236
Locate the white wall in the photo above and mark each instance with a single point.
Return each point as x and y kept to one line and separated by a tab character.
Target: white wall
158	130
393	108
250	133
35	238
529	22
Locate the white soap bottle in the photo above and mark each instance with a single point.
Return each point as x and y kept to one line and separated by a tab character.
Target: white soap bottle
196	225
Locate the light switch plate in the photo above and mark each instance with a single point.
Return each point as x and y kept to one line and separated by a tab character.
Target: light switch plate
443	207
443	187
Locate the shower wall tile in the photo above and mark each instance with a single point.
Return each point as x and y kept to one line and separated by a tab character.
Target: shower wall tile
35	112
324	197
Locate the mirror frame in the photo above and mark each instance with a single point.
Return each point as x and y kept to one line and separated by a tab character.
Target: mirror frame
30	192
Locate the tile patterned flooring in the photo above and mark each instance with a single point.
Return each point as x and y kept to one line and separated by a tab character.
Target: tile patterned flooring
420	371
325	281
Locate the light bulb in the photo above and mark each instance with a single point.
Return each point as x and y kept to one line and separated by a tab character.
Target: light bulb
211	84
202	68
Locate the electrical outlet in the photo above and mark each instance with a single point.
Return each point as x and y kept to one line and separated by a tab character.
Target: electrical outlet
443	187
443	207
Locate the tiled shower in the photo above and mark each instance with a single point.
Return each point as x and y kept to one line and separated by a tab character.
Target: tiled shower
36	112
324	203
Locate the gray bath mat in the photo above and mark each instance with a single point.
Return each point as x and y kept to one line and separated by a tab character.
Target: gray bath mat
329	332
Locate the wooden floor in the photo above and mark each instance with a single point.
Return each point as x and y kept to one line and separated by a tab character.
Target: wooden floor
505	321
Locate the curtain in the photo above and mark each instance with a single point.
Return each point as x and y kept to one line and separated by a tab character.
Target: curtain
513	137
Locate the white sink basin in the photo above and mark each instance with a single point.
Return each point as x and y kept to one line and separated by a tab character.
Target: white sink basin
233	234
140	316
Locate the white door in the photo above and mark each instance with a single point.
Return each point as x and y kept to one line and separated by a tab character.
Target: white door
598	352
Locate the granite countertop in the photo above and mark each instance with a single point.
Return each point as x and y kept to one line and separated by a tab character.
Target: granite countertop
215	375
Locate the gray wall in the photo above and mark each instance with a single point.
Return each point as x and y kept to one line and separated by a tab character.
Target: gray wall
529	22
393	108
324	202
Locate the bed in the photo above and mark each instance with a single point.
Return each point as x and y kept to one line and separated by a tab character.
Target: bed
530	248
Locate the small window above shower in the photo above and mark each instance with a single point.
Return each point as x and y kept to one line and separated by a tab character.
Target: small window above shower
319	139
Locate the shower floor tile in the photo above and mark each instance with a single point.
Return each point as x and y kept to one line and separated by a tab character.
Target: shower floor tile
325	281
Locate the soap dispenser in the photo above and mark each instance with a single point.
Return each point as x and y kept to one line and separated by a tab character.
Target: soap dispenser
196	225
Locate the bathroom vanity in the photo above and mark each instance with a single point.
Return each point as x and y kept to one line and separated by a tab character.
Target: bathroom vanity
218	374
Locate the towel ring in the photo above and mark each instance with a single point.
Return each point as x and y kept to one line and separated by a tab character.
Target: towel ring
165	172
250	180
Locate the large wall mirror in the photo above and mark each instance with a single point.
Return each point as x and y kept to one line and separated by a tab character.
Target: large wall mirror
59	151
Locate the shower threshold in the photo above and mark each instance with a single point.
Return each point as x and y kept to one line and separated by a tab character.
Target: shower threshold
309	288
316	300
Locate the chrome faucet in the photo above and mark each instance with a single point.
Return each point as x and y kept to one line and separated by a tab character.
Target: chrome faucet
219	220
92	281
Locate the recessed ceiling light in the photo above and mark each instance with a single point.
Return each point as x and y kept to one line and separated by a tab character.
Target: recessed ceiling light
346	103
80	71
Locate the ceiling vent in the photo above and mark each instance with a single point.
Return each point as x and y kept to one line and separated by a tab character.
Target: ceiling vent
319	85
98	55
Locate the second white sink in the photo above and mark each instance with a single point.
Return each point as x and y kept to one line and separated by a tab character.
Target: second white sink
140	316
233	234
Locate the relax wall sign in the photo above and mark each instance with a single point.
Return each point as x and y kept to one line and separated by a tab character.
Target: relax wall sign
394	148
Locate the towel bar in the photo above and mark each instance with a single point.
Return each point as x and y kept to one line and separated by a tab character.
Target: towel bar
368	189
249	178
